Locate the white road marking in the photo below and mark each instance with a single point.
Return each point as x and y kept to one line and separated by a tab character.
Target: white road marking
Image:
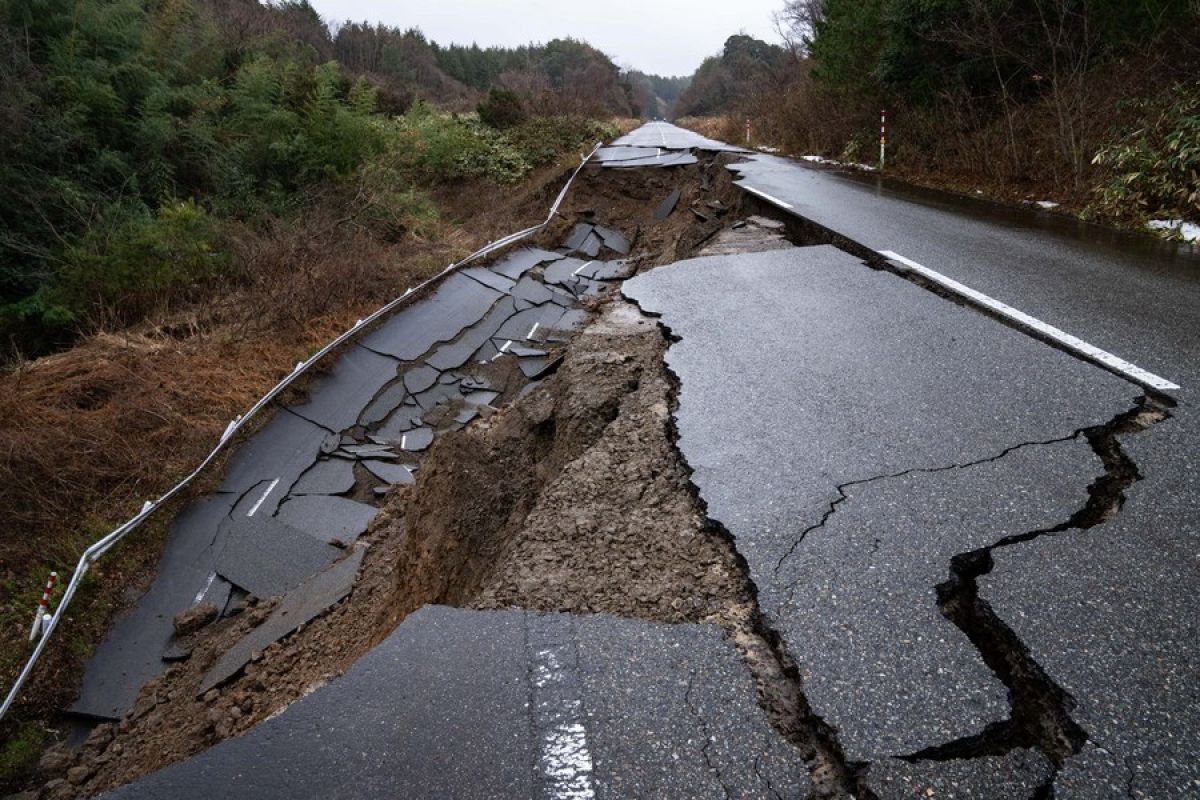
768	197
1072	343
503	349
404	442
270	489
532	331
565	759
200	594
582	267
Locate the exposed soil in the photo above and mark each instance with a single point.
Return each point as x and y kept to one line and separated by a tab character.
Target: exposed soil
572	498
88	434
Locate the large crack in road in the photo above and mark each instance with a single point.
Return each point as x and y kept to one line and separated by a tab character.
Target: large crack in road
592	494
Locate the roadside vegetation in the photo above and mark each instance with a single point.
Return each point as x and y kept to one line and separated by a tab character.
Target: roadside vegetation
195	195
1091	104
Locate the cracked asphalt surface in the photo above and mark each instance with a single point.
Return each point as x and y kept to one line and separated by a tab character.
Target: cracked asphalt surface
522	705
908	481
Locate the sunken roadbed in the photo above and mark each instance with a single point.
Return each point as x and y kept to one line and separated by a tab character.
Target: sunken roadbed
681	501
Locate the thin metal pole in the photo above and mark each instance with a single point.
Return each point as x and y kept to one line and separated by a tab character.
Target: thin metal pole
882	139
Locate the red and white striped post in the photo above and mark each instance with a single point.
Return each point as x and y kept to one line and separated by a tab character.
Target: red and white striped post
747	131
43	606
882	139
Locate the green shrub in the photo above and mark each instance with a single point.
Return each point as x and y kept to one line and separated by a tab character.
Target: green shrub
125	266
1155	169
542	140
502	109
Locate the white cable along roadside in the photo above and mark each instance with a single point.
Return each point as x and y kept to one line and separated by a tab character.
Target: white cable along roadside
101	546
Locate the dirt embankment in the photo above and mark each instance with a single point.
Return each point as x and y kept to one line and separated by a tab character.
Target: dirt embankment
88	434
573	498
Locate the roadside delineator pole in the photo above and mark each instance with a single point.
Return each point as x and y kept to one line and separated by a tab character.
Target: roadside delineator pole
747	131
41	615
882	138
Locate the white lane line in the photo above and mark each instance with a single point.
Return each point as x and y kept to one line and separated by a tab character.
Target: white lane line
503	349
200	594
270	489
532	331
767	197
1072	343
582	267
404	441
565	758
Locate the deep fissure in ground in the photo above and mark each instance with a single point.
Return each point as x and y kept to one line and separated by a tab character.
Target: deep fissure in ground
496	516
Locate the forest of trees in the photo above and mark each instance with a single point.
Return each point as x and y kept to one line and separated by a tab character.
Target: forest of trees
724	81
1095	101
135	135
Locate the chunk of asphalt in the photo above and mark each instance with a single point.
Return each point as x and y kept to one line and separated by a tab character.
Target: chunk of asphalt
607	270
440	393
626	153
667	205
667	159
530	292
284	448
338	397
419	379
521	351
373	450
489	278
565	273
267	557
297	607
454	354
402	420
330	476
520	327
535	368
521	261
579	235
389	473
384	403
613	240
417	440
591	245
456	304
328	518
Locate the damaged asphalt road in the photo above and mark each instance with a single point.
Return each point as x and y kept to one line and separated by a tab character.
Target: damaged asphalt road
845	538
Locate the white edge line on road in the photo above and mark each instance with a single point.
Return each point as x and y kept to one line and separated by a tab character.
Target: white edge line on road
1072	343
270	489
767	197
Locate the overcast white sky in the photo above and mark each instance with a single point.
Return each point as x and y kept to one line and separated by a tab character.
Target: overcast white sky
665	37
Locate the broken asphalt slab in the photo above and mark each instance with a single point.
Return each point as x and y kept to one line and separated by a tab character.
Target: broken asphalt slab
267	557
295	608
573	706
131	653
803	372
457	303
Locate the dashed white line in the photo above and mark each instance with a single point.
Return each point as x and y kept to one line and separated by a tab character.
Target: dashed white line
1072	343
532	331
200	594
503	349
767	197
582	267
270	489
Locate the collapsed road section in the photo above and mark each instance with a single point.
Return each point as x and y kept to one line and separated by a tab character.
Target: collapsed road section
596	560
